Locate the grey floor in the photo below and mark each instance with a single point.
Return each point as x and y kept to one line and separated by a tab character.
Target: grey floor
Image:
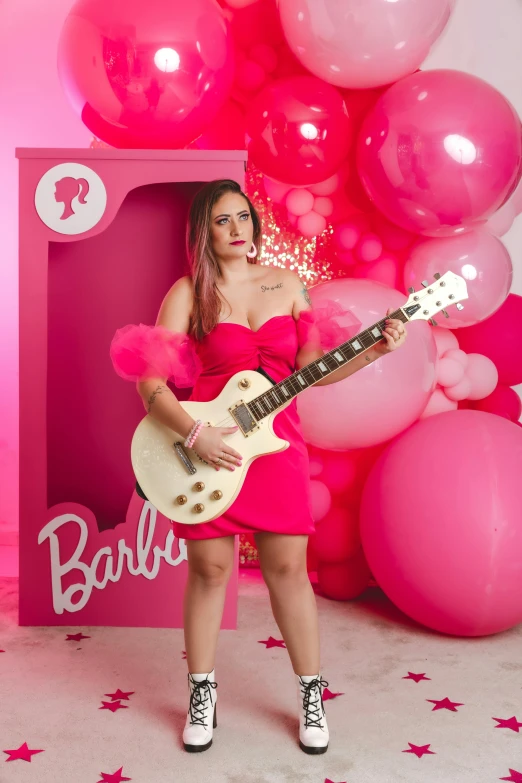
51	691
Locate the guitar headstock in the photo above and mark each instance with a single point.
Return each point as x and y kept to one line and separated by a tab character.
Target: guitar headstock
450	289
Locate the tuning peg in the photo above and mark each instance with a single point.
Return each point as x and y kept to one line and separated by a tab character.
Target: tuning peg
411	290
445	314
433	322
460	306
425	283
436	275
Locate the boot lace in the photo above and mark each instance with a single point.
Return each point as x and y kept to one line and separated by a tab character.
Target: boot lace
198	701
313	706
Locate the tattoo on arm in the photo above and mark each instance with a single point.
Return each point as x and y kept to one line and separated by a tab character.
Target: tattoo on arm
158	390
306	295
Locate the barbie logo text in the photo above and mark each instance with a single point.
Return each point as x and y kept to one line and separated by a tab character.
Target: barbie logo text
113	561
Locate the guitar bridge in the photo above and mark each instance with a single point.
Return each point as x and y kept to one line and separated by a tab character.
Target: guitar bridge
185	459
241	414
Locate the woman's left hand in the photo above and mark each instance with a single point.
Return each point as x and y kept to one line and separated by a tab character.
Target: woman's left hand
394	334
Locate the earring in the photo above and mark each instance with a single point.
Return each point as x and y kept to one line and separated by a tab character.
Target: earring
253	252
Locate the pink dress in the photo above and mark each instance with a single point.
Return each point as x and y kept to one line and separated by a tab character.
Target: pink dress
275	495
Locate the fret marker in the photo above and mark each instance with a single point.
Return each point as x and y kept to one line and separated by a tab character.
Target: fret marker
376	332
301	380
276	398
284	390
322	366
340	358
356	345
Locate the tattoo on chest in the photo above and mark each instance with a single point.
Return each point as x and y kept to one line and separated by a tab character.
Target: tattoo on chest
306	295
270	287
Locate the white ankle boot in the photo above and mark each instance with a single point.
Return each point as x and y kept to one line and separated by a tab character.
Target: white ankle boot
201	716
313	731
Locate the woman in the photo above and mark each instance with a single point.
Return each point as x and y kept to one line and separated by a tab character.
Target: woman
241	315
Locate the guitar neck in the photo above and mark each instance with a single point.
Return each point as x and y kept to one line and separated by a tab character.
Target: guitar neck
279	394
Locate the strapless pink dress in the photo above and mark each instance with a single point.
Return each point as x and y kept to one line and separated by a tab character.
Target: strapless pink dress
275	496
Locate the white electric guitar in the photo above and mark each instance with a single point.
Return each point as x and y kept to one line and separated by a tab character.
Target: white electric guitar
185	488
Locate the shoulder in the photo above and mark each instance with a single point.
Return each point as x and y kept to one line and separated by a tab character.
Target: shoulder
176	308
299	293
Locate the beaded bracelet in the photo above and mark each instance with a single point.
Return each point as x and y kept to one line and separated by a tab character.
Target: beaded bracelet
194	432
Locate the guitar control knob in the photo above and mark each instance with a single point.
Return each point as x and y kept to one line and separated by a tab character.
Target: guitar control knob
216	495
181	499
244	383
198	508
199	486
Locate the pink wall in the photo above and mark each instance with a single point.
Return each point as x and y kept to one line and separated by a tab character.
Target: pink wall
35	113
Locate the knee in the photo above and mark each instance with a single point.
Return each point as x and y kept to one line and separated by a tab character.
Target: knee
286	573
210	574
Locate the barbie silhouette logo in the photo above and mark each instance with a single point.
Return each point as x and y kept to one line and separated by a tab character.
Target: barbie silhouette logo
68	189
70	198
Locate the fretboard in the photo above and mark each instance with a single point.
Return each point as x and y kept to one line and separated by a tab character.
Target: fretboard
290	387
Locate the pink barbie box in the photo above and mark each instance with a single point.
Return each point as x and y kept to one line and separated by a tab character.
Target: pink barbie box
102	239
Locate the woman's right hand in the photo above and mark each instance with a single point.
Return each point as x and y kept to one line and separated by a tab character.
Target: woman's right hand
210	446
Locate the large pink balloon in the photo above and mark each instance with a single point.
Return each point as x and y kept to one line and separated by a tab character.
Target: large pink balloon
146	74
498	338
299	130
362	44
477	256
440	523
382	399
439	151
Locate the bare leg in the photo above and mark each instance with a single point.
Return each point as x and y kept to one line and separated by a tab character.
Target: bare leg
292	598
210	565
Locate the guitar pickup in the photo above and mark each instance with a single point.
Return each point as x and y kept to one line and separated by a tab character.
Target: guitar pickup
184	458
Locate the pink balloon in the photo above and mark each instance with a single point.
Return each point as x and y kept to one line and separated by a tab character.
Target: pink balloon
449	372
346	258
385	397
384	271
498	337
438	403
311	224
299	201
299	130
361	45
392	237
323	206
480	258
339	470
346	580
369	247
429	152
327	187
134	71
265	55
500	223
321	499
460	391
444	339
250	77
227	131
277	191
316	466
337	536
445	499
482	375
503	401
457	355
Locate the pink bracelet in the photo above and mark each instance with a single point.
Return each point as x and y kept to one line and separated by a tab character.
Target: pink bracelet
195	435
191	436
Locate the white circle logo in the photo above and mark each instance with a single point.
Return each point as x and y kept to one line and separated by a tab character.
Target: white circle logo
70	198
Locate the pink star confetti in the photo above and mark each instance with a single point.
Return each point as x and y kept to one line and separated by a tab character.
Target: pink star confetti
2	650
114	778
271	642
508	723
113	706
445	704
23	753
514	776
184	656
119	694
416	677
419	750
327	694
327	780
76	637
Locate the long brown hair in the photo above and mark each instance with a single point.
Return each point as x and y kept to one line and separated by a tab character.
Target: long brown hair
204	266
